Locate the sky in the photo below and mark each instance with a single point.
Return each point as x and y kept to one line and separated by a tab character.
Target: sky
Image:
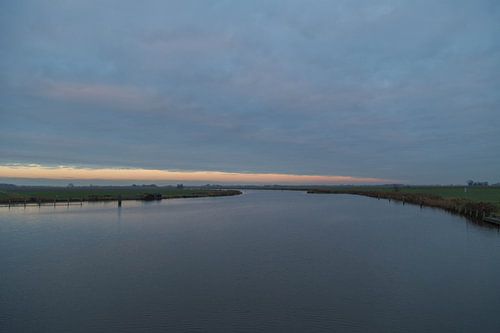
348	91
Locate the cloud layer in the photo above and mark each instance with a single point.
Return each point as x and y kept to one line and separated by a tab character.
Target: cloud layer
405	90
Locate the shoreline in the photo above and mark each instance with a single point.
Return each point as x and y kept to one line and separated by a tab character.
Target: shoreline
475	211
118	197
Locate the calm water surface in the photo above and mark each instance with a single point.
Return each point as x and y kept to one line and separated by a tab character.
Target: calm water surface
265	261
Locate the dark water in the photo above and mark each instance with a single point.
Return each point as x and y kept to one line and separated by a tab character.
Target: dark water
260	262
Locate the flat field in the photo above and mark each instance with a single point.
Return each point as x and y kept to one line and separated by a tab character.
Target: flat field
29	194
487	194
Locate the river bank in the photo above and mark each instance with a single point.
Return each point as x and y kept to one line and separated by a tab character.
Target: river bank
23	195
470	209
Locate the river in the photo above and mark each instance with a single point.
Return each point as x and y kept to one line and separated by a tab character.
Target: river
264	261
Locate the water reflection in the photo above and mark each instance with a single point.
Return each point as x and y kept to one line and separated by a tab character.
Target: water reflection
119	218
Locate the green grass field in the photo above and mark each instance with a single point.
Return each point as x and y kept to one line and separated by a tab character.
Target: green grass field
475	194
50	194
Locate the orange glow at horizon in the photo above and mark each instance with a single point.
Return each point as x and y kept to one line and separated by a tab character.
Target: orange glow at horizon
123	174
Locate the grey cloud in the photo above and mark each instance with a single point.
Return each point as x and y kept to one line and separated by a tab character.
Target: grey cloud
390	89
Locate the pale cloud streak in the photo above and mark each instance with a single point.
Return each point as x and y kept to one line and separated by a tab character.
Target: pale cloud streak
100	94
34	171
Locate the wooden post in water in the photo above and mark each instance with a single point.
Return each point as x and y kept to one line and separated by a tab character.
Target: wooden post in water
68	202
119	201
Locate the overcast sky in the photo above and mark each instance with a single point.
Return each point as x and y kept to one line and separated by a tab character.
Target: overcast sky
395	90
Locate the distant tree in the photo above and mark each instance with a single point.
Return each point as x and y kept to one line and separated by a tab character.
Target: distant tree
470	182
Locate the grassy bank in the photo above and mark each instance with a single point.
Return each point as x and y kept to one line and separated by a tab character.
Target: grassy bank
44	194
474	202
